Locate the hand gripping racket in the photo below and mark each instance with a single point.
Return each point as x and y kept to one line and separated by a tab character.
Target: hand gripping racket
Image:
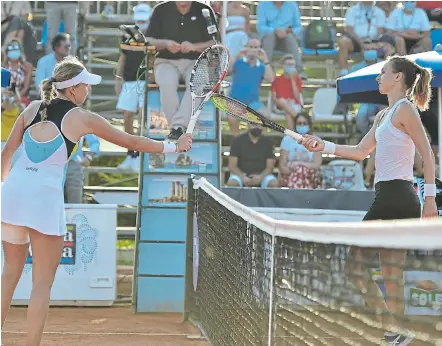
244	113
207	74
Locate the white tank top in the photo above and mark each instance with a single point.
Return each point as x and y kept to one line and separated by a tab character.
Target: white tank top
394	150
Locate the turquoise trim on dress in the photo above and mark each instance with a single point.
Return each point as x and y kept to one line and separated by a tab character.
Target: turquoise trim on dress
38	152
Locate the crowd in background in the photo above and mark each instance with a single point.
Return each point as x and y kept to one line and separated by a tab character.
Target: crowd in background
273	55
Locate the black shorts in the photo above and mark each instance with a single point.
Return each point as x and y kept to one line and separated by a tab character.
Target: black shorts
394	199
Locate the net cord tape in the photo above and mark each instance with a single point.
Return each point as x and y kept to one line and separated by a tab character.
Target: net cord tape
423	234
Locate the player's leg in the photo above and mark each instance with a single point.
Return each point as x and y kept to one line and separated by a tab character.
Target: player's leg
46	254
15	241
357	266
392	264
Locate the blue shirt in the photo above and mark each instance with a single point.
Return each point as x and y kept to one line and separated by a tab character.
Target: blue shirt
45	67
246	81
94	146
270	18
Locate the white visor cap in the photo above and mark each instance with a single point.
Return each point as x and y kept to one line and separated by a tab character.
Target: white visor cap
83	77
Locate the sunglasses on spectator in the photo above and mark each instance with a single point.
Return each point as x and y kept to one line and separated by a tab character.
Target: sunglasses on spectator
302	123
14	47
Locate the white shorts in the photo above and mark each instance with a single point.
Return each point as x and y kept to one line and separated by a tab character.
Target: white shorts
264	183
15	234
131	97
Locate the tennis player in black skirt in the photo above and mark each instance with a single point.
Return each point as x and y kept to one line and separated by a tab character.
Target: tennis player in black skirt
397	130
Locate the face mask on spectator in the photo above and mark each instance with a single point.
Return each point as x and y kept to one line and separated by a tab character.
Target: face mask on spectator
14	54
409	5
370	55
302	129
11	99
288	70
256	132
143	26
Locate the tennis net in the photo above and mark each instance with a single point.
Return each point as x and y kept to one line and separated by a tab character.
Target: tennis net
254	280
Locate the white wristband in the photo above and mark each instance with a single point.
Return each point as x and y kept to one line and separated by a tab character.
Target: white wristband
430	190
329	147
169	147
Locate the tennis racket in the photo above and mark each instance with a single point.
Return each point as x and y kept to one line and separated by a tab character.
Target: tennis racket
246	114
207	74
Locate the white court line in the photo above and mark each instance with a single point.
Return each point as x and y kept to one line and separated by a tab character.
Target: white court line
104	333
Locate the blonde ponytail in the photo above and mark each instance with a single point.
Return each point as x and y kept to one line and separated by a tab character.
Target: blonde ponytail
67	69
420	93
47	94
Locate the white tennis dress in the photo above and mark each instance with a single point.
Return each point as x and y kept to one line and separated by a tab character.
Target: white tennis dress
33	192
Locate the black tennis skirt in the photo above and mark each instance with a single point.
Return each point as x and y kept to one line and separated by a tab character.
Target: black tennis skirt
394	199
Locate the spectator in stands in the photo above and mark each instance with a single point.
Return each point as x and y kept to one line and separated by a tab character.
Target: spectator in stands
179	32
14	17
21	70
251	160
279	25
411	28
287	90
432	8
61	46
364	22
238	27
73	187
56	10
299	168
11	108
249	68
129	85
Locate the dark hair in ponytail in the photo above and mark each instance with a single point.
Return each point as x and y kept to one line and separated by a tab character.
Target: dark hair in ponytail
417	80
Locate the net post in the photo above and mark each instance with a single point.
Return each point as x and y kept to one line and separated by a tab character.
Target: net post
189	250
272	273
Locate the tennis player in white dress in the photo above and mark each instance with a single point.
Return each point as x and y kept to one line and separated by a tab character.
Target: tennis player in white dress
47	133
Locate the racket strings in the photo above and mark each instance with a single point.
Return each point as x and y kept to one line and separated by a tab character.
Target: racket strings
210	70
236	109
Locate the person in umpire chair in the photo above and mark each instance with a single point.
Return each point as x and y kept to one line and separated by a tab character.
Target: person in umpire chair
178	30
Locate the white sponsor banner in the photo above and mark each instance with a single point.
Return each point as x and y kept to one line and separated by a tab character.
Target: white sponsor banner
86	275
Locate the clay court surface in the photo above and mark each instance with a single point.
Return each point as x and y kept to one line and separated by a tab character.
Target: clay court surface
103	326
119	326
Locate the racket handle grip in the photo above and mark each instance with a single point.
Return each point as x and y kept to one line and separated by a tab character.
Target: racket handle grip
191	126
292	134
296	136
